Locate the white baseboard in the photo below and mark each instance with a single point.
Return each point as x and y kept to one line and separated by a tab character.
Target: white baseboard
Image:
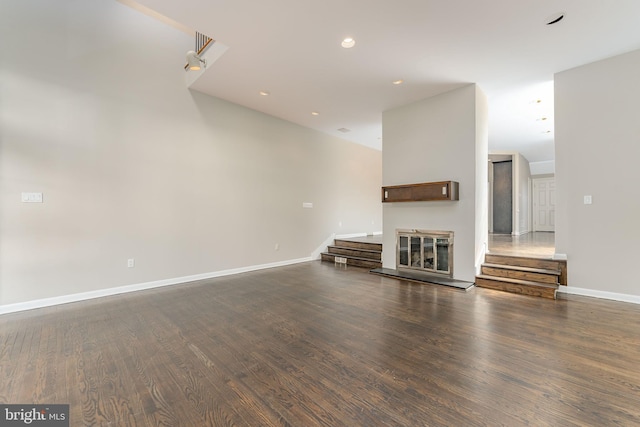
323	247
65	299
350	236
635	299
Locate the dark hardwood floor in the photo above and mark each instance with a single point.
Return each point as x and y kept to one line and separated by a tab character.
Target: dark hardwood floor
314	344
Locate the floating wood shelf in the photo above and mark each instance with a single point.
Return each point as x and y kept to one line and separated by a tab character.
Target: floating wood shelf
424	192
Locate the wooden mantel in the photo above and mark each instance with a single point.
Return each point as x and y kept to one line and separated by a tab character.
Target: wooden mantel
424	192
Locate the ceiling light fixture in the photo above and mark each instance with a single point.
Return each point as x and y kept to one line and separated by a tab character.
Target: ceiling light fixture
315	113
398	82
348	43
264	93
194	61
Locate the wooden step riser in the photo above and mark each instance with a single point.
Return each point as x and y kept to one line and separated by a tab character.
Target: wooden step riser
547	264
517	288
359	245
521	275
353	261
562	266
377	256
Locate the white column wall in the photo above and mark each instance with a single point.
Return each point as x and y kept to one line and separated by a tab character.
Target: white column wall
439	139
597	140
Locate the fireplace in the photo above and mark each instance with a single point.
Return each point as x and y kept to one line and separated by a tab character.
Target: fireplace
426	251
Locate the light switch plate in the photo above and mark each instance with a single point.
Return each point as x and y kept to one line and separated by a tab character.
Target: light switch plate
31	197
588	200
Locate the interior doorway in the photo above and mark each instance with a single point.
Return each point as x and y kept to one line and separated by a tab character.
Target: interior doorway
501	190
544	204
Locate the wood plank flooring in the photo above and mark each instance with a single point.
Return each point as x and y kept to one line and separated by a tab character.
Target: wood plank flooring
317	345
540	244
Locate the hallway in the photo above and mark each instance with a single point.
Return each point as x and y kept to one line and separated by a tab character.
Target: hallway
536	244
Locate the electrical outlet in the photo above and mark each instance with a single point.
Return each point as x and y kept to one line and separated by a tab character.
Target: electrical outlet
131	263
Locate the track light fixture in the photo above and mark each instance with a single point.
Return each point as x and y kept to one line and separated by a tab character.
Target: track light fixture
195	62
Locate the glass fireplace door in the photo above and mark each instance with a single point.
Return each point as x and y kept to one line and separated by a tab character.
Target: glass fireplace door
429	251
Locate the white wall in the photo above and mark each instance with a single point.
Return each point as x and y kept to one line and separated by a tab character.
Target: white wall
522	195
134	165
481	185
439	139
521	206
547	167
597	140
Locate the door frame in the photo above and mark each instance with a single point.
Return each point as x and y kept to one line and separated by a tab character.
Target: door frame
497	158
534	203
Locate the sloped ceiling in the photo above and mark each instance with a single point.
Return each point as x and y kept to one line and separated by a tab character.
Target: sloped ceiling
291	48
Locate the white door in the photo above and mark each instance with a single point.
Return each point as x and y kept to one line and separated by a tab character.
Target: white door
544	204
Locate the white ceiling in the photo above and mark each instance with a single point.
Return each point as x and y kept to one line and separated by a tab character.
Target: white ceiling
291	48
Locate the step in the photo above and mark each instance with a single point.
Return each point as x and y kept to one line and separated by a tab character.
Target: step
358	245
545	263
353	261
540	263
355	252
524	287
523	273
420	277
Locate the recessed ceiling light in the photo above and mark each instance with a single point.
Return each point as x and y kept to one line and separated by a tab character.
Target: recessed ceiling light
315	113
348	43
398	82
555	18
264	93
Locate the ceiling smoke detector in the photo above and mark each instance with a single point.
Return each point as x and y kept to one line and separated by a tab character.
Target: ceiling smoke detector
344	130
